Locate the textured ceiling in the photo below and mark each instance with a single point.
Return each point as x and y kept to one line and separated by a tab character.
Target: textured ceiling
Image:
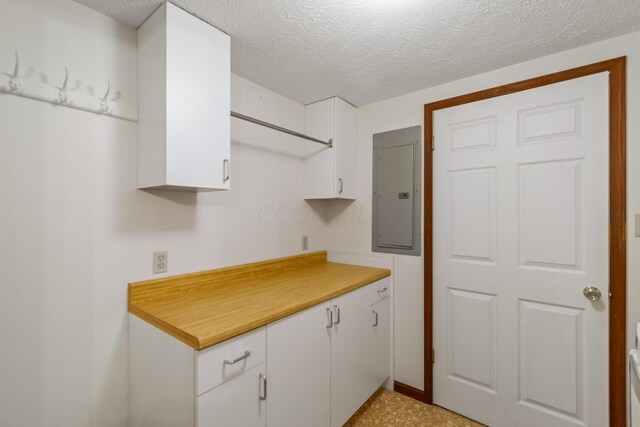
369	50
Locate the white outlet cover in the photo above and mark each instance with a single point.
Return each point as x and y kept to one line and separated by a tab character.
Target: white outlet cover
160	262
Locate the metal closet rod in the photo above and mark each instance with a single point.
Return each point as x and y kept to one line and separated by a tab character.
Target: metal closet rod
281	129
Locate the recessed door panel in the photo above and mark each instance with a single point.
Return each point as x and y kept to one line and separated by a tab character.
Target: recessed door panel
551	122
473	215
471	338
473	135
550	195
551	358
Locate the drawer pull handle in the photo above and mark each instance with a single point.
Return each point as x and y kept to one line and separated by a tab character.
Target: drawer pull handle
383	290
330	316
337	310
234	361
263	379
375	313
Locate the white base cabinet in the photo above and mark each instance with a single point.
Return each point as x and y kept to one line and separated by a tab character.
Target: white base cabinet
325	362
356	371
299	355
350	385
171	384
314	368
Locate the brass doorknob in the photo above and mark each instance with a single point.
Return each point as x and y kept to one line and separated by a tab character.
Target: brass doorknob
592	293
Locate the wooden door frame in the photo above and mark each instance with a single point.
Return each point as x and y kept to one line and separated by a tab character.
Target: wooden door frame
617	224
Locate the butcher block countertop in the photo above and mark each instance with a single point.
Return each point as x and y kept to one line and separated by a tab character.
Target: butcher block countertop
205	308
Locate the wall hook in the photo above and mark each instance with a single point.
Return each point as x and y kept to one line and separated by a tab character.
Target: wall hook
104	101
63	94
14	84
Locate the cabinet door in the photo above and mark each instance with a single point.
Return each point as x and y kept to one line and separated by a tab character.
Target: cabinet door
331	172
198	102
319	160
346	146
350	346
184	102
298	355
236	403
380	343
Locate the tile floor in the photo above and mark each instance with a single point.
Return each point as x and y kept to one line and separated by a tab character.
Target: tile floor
387	408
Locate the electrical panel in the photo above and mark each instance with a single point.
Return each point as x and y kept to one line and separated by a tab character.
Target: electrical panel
397	192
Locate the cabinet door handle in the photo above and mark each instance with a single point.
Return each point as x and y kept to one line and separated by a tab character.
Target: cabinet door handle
341	182
381	291
330	316
225	170
263	380
337	310
375	313
234	361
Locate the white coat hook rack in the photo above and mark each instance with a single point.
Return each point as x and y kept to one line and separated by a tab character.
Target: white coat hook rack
60	95
104	101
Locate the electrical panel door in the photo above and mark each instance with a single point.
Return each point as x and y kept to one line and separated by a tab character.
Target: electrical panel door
396	191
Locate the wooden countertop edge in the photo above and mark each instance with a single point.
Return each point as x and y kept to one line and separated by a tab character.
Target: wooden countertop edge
181	335
208	341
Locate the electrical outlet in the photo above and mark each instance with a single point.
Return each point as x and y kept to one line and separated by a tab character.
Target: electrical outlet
160	262
305	243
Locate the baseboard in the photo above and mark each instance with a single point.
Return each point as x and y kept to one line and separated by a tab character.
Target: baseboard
407	390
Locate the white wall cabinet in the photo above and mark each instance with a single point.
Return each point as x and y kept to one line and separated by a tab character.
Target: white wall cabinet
183	103
331	173
314	368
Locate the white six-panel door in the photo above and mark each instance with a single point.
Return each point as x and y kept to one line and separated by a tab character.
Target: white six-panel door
521	188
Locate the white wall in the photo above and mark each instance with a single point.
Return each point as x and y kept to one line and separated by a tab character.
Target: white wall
352	227
74	230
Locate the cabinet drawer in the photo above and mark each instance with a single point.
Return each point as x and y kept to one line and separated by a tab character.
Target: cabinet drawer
214	365
377	291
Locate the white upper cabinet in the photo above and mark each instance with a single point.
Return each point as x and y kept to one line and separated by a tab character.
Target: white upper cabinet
183	102
330	173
